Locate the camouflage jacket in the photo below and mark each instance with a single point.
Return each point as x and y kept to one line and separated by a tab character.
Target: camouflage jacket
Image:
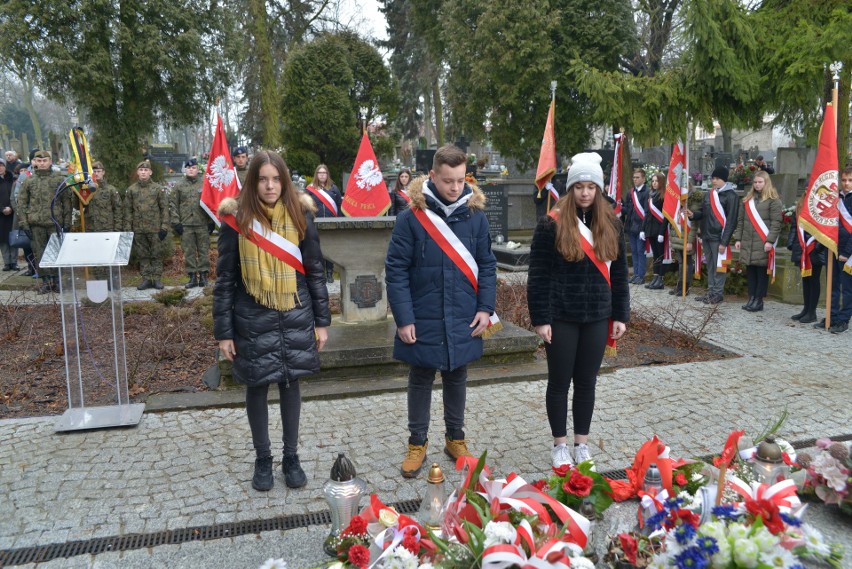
241	175
185	200
146	207
35	197
104	210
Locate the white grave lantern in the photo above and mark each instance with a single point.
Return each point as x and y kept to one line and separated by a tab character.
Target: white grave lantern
89	266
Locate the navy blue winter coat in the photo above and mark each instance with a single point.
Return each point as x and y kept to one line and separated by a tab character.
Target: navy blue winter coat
426	289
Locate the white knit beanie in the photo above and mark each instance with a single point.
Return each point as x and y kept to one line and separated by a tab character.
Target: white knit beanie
585	167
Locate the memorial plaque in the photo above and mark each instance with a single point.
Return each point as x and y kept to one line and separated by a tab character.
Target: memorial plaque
366	291
497	210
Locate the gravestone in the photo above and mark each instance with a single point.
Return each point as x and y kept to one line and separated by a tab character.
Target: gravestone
497	210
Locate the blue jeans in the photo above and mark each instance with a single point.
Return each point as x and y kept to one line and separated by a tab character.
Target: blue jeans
420	382
637	253
841	288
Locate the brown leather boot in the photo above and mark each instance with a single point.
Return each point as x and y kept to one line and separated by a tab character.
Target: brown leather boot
455	449
413	460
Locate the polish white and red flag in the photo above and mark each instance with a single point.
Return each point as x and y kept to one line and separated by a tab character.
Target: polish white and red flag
220	177
676	187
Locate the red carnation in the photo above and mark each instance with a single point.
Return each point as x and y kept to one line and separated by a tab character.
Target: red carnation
680	479
629	546
357	526
359	556
561	471
540	485
768	512
411	543
578	484
685	516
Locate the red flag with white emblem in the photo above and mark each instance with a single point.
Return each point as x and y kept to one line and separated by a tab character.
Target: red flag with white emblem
819	214
366	193
220	177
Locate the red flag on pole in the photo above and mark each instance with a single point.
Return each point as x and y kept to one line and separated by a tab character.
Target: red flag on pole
366	192
614	188
676	187
547	156
220	178
819	214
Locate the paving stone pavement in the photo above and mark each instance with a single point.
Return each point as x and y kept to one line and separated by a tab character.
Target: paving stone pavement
193	468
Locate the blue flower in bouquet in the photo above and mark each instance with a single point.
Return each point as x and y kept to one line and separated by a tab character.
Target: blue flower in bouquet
684	533
691	558
726	512
791	520
673	503
657	519
708	545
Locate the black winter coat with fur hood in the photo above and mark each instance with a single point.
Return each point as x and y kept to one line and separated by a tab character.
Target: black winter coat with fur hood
272	346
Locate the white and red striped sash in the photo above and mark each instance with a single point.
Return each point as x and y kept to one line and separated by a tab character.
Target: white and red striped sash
846	222
325	198
637	206
807	246
272	243
763	231
658	215
553	192
452	247
404	195
724	258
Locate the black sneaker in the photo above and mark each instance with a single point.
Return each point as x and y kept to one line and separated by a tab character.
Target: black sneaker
262	480
294	476
839	328
701	298
820	324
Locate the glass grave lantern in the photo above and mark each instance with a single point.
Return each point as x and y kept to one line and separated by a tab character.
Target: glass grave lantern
89	266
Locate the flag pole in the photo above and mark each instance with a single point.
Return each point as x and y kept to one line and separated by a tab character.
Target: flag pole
683	204
835	68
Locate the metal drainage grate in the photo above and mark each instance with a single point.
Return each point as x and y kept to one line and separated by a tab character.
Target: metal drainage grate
43	553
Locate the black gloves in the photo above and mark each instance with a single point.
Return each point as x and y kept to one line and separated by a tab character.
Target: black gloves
211	227
162	234
179	228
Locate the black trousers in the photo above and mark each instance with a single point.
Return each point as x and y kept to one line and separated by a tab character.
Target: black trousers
811	289
658	249
575	352
454	390
758	281
257	410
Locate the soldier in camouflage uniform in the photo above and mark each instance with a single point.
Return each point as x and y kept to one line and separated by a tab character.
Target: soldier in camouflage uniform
103	212
34	216
240	157
146	214
191	223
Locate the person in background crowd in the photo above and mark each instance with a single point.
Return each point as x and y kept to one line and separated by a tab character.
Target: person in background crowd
146	214
240	157
655	228
271	320
103	213
693	201
440	314
762	165
817	255
718	223
7	213
192	224
634	209
762	210
328	200
36	211
12	163
22	172
841	284
578	300
399	195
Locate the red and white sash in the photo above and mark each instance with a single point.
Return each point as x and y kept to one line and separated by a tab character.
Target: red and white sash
667	246
637	206
553	193
724	258
846	222
807	248
763	231
325	198
405	195
272	243
452	247
658	215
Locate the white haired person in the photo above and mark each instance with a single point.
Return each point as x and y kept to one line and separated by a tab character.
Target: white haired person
578	300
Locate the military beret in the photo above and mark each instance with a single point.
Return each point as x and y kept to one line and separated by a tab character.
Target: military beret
240	150
42	154
190	162
98	166
144	164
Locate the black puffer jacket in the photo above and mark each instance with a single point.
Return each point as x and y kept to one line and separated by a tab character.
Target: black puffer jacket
272	346
398	203
711	229
633	223
573	291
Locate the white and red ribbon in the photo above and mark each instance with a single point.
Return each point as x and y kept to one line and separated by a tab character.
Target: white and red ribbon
405	195
724	258
272	243
649	500
325	198
763	231
452	247
636	205
782	494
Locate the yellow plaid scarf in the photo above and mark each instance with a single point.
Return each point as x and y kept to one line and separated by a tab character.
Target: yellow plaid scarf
269	280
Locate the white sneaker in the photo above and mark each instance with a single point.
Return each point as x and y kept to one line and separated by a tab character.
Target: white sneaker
560	455
581	453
